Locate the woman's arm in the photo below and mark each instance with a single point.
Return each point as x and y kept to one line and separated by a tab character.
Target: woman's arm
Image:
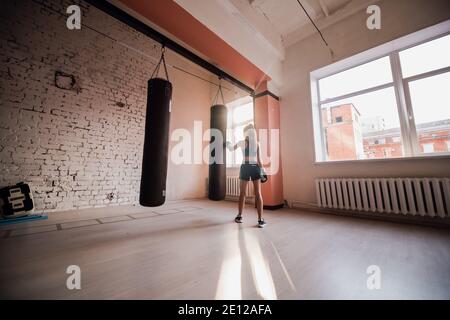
232	147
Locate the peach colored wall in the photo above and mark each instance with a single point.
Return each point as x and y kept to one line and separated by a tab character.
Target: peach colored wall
349	37
276	184
190	102
267	116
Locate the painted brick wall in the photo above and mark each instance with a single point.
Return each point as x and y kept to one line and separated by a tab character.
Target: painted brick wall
75	147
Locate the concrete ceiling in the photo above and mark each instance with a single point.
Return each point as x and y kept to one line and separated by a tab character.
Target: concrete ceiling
247	38
292	24
261	30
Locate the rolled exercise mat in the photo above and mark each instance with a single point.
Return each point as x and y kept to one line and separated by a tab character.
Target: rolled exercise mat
156	143
217	171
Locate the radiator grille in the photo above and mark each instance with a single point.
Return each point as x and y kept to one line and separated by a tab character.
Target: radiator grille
414	196
233	187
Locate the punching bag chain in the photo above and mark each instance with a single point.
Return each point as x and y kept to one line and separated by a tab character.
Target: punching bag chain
163	60
217	94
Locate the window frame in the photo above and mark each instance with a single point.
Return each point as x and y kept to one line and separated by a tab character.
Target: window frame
409	139
415	145
231	107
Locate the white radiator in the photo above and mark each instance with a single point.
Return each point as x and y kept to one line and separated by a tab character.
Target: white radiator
233	187
415	196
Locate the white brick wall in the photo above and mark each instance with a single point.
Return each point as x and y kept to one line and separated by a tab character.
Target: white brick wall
73	148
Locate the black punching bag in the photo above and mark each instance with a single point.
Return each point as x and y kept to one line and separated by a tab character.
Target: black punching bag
217	171
156	143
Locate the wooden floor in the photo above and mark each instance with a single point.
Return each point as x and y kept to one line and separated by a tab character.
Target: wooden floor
194	250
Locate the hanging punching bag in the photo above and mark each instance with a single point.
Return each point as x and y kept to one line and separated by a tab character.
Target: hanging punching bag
217	171
156	142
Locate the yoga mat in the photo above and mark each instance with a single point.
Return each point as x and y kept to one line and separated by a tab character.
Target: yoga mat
31	217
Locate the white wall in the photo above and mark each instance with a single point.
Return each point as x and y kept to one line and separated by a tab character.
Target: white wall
348	37
76	148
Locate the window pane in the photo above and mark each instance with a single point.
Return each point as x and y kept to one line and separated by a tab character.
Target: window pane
238	157
238	133
229	157
234	136
229	117
243	113
240	112
363	127
426	57
366	76
430	98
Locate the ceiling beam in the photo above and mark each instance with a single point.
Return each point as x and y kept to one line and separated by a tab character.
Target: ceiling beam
145	29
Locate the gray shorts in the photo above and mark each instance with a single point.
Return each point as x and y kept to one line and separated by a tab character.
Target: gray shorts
250	172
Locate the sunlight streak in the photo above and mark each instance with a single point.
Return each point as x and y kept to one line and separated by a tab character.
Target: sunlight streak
229	285
262	276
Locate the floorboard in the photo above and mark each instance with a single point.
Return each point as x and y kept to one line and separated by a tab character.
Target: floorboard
193	250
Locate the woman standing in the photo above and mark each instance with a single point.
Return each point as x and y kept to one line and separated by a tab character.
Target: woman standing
250	170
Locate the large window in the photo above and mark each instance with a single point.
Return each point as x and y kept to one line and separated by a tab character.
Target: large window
240	114
388	105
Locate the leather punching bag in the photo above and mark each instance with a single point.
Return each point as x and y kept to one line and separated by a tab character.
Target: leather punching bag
156	143
217	171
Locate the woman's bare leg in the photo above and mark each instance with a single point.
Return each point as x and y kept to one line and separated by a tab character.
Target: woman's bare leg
258	198
243	187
